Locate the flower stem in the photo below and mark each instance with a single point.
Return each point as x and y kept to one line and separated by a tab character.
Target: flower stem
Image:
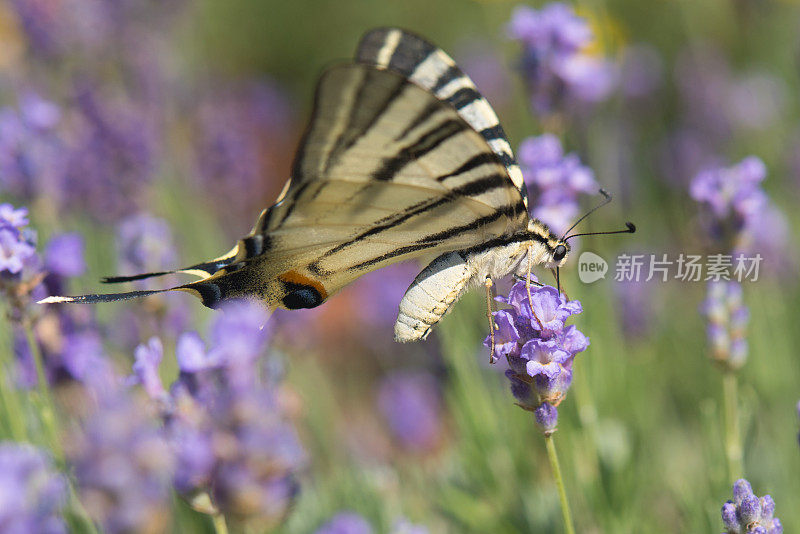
46	400
562	493
14	414
220	526
733	437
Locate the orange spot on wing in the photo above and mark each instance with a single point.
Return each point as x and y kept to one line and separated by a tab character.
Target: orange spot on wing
293	277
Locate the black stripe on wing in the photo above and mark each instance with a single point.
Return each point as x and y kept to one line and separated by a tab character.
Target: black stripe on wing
431	68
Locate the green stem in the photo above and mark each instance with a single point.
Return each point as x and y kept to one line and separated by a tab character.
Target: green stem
12	405
733	435
220	527
562	493
47	406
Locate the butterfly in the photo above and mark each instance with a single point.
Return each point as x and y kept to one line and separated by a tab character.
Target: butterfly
402	159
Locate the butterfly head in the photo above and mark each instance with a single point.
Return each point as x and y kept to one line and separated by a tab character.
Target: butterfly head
558	254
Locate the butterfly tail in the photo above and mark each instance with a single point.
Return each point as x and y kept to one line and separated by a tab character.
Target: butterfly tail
211	291
94	299
203	270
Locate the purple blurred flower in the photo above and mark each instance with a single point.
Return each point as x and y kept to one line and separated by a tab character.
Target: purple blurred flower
727	322
113	155
685	153
64	255
546	417
411	407
145	244
122	465
736	207
538	346
746	513
20	266
147	357
555	180
636	306
732	190
224	421
345	523
556	65
31	149
33	492
720	102
240	146
14	250
72	350
17	246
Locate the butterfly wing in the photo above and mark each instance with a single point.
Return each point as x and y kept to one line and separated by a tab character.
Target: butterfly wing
402	158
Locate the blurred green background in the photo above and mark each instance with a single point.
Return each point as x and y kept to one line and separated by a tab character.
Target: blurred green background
640	435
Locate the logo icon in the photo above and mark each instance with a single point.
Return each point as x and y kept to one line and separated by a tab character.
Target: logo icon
591	267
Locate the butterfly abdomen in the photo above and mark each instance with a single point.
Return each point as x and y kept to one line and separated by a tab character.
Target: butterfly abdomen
431	295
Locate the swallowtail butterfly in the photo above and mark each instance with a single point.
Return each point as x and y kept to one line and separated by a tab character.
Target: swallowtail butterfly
402	159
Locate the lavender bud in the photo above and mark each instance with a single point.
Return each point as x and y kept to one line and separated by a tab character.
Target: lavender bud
546	416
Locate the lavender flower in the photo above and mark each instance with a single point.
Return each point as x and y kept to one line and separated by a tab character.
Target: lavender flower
410	405
727	321
720	102
240	146
144	244
224	420
746	513
345	523
113	155
20	271
538	347
122	465
33	493
735	207
555	180
64	256
32	149
559	70
15	250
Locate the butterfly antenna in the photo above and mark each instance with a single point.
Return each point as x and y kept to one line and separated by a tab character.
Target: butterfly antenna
630	228
607	198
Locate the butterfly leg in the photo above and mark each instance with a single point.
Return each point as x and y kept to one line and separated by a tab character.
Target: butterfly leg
528	288
489	283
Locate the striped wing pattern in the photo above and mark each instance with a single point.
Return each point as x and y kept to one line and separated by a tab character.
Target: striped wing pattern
402	158
431	68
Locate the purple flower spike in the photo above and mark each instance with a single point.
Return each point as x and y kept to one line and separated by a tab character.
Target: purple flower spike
147	357
747	513
555	180
224	421
538	345
555	62
144	244
345	523
64	255
546	416
33	493
122	466
727	318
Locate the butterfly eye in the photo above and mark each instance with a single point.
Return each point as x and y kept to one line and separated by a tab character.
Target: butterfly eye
559	252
